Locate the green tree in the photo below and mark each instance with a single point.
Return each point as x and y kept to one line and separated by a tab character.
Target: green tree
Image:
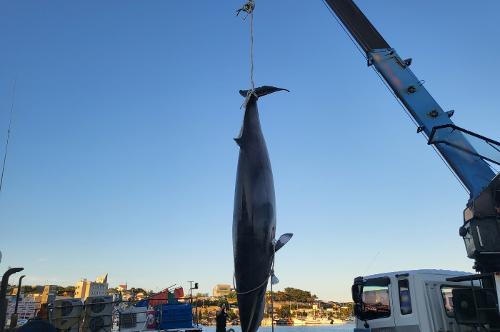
231	297
281	296
29	289
137	290
284	312
63	290
299	295
231	315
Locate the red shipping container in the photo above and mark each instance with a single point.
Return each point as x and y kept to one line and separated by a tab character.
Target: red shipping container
159	298
179	293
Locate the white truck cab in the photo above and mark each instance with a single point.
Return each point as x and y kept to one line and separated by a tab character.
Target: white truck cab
410	301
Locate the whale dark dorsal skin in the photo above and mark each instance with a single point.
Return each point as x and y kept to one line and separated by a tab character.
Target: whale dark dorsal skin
254	218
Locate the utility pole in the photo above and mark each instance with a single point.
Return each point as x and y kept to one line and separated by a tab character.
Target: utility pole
18	292
13	317
3	293
191	298
191	291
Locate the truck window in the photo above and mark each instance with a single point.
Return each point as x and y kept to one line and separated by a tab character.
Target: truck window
404	296
376	302
446	293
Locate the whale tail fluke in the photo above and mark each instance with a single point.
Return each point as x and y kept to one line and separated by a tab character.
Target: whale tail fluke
262	91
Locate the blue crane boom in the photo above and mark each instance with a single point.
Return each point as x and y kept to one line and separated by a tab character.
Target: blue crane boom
468	154
467	163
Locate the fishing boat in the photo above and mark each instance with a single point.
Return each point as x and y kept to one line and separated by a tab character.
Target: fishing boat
284	322
298	322
317	321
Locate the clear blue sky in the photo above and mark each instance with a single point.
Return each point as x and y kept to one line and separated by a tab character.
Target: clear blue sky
122	158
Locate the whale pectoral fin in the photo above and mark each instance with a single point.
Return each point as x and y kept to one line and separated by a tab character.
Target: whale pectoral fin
262	91
238	140
274	279
282	241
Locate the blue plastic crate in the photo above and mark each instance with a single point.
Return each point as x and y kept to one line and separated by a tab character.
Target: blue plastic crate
173	316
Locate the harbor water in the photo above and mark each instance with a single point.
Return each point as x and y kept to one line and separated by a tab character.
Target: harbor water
323	328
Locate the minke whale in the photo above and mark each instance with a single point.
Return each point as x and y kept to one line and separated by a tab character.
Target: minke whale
254	217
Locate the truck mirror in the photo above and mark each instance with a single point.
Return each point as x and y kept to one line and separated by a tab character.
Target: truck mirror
358	311
356	291
466	303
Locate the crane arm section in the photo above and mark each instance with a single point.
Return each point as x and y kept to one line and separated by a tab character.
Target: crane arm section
471	169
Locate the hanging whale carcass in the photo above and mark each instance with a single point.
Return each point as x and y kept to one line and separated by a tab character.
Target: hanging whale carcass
254	218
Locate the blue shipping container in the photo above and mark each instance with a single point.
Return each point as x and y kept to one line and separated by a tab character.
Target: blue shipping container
175	315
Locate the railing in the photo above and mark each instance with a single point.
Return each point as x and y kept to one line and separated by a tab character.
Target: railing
95	314
100	316
480	146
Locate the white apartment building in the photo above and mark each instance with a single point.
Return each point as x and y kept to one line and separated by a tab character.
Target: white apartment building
221	290
85	288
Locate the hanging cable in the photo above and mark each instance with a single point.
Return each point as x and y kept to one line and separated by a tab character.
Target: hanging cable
345	30
8	134
422	133
252	83
264	283
248	8
272	294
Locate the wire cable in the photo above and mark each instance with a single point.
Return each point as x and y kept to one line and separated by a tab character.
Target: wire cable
11	115
394	95
248	8
422	133
252	83
345	30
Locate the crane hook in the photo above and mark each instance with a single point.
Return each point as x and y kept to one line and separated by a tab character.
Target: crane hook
247	8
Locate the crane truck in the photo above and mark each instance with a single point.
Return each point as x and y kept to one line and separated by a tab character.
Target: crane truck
434	300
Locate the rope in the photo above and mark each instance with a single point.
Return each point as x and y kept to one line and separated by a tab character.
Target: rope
8	134
253	289
272	297
248	8
252	83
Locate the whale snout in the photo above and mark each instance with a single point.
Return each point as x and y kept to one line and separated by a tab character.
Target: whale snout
251	308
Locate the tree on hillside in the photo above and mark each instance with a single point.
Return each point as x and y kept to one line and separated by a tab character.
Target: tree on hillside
281	297
299	295
29	289
231	315
284	312
137	290
65	290
231	297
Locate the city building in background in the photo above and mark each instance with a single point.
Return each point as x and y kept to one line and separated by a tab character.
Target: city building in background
122	288
221	290
85	288
49	294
